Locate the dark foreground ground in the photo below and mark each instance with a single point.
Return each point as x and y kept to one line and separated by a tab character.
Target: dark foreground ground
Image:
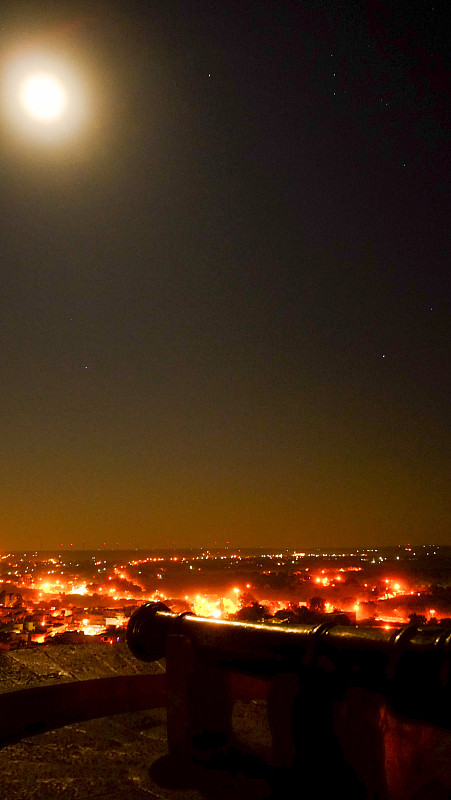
125	756
121	757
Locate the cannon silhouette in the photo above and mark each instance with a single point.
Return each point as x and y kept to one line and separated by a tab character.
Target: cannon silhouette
335	694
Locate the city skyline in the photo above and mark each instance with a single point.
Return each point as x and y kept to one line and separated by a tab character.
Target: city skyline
224	294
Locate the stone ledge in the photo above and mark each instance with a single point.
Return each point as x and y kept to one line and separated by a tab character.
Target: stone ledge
21	669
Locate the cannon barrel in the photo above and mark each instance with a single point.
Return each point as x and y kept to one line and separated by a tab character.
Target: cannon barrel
150	625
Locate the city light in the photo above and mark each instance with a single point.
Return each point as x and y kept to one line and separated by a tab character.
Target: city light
46	597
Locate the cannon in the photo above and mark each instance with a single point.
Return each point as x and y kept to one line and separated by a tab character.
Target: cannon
409	665
330	689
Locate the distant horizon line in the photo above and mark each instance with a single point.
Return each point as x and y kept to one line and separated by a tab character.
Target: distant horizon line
228	548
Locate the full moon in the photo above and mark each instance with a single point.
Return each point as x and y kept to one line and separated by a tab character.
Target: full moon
43	97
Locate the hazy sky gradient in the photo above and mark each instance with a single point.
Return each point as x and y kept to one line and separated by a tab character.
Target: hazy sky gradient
223	305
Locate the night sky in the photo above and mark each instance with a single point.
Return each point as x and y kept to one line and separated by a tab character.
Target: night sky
223	300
